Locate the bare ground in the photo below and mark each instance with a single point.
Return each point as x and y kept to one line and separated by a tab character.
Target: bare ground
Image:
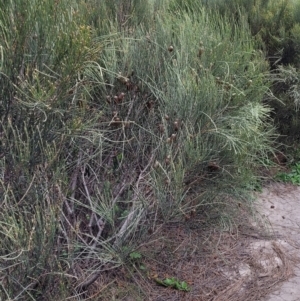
280	203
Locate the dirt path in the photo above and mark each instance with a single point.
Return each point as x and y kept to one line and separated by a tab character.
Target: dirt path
280	203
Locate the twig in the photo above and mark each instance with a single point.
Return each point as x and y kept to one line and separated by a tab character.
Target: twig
70	209
131	214
83	286
26	192
99	222
102	289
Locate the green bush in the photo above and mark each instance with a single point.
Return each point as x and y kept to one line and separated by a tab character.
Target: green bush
274	23
112	125
286	110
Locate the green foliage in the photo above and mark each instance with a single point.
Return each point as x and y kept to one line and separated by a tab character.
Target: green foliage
276	25
44	48
174	283
288	81
273	22
291	177
113	120
286	111
135	255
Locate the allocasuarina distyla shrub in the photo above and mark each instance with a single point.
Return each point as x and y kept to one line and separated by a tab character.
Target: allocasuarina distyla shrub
112	125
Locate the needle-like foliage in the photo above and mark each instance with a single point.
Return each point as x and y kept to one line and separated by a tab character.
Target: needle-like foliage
115	119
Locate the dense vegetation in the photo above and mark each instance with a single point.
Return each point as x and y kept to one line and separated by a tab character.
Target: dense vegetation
121	116
277	25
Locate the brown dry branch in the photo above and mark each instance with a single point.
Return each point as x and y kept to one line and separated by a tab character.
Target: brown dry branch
74	179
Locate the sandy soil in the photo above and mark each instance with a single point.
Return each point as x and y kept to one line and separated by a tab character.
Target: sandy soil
280	203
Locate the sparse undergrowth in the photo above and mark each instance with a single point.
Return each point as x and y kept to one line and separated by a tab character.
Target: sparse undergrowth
209	260
291	177
116	120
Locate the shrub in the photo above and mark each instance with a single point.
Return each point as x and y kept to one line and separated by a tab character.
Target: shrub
111	126
274	23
